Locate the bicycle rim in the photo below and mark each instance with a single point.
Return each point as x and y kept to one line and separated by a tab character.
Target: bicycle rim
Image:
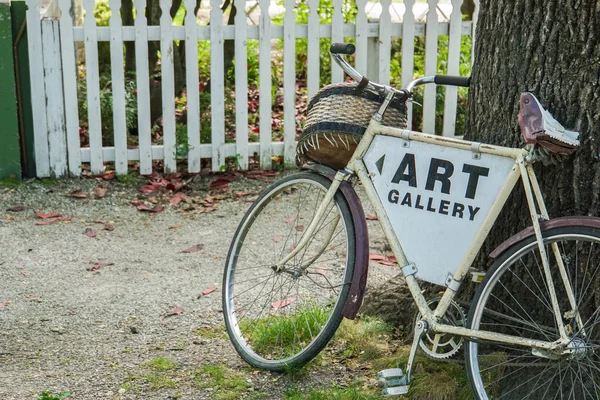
514	299
279	320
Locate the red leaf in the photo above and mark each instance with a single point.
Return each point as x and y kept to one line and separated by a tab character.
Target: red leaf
178	198
376	257
220	183
108	175
300	228
372	217
47	215
289	220
392	259
194	249
99	265
283	303
77	194
89	232
321	271
149	189
16	208
109	226
5	303
243	194
209	291
53	221
277	239
175	311
143	207
100	192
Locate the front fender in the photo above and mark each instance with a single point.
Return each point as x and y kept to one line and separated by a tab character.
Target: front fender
361	262
588	222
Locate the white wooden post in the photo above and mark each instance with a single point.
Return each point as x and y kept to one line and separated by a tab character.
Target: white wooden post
168	86
192	90
450	100
312	58
385	42
431	49
289	83
361	38
69	69
217	85
408	50
264	37
337	36
241	84
143	87
38	97
118	88
93	88
55	103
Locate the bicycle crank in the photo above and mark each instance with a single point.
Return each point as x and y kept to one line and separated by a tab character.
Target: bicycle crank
443	345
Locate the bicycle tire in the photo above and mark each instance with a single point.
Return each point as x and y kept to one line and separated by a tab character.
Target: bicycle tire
513	299
282	320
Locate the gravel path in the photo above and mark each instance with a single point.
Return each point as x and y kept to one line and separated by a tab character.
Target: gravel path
98	334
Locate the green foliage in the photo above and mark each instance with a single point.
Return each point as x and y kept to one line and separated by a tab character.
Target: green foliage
162	364
50	396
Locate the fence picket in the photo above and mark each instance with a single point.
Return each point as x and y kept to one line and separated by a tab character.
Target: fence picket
217	84
337	36
69	67
313	38
385	42
289	83
450	101
361	38
408	50
143	87
168	86
38	97
92	75
118	88
431	44
55	112
241	84
264	34
192	90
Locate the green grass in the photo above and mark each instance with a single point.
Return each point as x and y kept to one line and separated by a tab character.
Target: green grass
50	396
159	380
225	382
162	364
10	182
334	393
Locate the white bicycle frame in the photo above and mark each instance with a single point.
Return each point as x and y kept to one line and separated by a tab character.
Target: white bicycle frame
522	168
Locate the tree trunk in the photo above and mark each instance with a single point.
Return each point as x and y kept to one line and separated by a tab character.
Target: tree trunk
550	48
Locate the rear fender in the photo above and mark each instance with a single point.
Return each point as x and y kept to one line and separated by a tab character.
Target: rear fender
361	263
583	221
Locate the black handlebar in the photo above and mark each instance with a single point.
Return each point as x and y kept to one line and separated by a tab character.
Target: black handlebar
452	80
342	48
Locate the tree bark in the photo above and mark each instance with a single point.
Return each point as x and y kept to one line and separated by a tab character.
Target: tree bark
550	48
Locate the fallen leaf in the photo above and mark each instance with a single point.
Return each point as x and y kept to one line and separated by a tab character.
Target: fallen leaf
175	311
149	189
220	183
77	194
376	257
178	198
206	210
99	265
5	303
108	175
143	207
194	249
289	220
283	303
277	238
25	272
47	215
392	259
109	226
16	208
89	232
175	226
300	228
244	194
209	291
53	221
371	217
100	192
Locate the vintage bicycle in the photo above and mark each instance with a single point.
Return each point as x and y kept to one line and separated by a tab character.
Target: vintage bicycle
298	260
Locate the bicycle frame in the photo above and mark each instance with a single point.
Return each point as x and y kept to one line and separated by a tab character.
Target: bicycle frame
521	169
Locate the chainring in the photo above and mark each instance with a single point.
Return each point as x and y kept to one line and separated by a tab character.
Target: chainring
443	345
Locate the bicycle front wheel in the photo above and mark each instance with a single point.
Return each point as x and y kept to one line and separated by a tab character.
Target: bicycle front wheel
514	299
280	319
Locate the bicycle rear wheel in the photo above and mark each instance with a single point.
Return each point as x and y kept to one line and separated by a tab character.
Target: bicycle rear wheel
514	299
279	320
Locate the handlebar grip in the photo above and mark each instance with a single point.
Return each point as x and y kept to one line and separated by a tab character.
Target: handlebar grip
342	48
452	80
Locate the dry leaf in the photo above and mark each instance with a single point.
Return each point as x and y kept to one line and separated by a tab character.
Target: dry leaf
283	303
220	183
372	217
53	221
89	232
5	303
175	226
100	192
300	228
277	238
110	226
209	291
175	311
289	220
99	265
194	249
16	208
149	189
108	175
77	194
47	215
376	257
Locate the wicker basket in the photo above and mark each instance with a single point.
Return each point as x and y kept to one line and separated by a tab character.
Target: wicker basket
337	118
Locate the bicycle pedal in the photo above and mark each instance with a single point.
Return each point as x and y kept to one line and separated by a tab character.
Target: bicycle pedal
393	382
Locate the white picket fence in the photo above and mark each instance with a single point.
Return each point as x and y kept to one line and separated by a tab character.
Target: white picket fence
52	44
